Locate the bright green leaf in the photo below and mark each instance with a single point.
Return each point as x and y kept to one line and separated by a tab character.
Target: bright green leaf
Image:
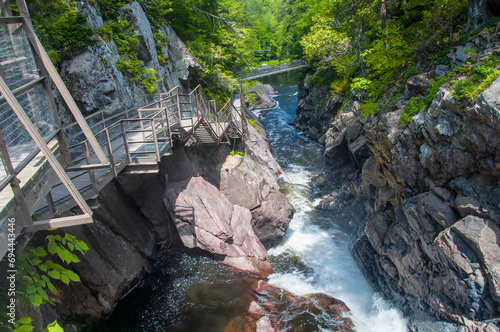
35	299
65	279
73	276
54	274
25	320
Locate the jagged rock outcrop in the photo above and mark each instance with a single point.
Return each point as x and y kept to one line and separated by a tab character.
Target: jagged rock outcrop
429	235
269	308
259	97
314	118
96	83
434	196
251	181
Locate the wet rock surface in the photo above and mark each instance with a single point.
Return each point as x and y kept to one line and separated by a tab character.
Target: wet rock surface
269	308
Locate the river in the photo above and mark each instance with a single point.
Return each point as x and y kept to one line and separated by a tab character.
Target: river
193	294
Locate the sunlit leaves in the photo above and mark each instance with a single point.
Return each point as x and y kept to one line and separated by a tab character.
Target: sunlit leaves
325	41
36	272
53	327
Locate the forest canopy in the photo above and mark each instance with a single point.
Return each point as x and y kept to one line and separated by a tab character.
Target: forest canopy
349	44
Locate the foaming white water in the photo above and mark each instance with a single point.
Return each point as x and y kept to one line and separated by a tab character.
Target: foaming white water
326	251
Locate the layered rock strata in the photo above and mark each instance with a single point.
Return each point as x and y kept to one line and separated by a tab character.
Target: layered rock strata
429	235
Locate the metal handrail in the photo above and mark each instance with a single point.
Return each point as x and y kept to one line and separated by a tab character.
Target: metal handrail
155	120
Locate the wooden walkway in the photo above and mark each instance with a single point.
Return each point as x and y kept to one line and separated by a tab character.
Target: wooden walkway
58	171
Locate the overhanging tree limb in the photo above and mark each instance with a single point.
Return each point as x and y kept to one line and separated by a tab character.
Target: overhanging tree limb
213	19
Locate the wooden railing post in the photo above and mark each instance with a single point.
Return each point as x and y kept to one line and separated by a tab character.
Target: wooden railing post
243	117
179	109
139	112
50	204
168	127
163	129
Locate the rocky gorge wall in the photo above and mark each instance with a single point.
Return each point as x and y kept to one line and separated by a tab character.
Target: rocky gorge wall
228	207
427	235
93	77
192	203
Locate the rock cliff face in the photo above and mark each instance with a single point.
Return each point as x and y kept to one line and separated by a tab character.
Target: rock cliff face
182	206
429	235
96	83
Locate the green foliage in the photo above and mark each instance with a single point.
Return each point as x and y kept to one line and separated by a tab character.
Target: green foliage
122	33
53	327
109	8
412	108
223	47
62	31
239	153
249	96
373	45
23	325
253	123
36	272
436	84
370	107
156	10
479	78
468	80
325	41
160	43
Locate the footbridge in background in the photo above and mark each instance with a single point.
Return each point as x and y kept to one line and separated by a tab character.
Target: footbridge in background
55	171
273	70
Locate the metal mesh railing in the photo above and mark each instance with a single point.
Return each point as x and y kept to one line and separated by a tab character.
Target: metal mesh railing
16	56
19	67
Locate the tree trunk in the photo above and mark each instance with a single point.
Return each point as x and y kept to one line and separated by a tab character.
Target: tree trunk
478	13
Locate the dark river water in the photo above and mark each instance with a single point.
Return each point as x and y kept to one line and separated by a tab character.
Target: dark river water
194	294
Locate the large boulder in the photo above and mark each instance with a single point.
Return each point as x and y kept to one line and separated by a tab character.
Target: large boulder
207	220
258	97
265	307
250	180
251	185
